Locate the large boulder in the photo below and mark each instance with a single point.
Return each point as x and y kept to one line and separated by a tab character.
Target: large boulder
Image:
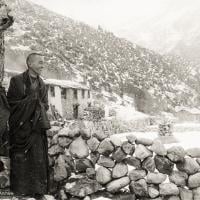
118	154
82	164
91	173
156	178
179	178
60	170
142	152
70	131
78	148
163	164
176	153
100	135
105	147
116	185
133	161
93	144
115	141
186	194
189	165
159	148
196	193
119	170
103	175
106	161
139	188
194	180
64	141
137	174
55	150
81	187
149	164
153	192
167	189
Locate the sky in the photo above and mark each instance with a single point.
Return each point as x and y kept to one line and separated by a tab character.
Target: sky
125	18
107	13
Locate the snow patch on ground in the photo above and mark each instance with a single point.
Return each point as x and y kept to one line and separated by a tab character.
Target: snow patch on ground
188	139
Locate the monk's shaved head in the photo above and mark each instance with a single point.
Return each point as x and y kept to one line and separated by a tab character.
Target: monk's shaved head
31	57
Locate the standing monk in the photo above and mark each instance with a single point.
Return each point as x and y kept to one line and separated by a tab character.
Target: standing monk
27	97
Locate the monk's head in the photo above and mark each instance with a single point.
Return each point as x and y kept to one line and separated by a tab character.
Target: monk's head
35	63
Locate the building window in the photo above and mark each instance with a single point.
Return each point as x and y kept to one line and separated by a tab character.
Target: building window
83	94
63	93
88	94
75	94
52	91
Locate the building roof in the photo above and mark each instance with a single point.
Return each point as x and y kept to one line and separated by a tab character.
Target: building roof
56	82
66	84
187	109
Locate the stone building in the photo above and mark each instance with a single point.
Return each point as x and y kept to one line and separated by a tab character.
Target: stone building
69	98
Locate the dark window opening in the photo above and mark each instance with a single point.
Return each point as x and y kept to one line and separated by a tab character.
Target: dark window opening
83	94
52	91
63	93
88	94
75	94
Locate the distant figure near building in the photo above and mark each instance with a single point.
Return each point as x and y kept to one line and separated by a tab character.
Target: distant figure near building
27	97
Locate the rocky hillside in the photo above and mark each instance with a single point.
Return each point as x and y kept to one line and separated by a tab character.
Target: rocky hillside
77	51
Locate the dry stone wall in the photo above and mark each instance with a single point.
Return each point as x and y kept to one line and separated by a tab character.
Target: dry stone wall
85	164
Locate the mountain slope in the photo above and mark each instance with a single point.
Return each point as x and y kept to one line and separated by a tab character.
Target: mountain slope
77	51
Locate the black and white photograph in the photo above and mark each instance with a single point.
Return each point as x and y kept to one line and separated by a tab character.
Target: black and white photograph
99	100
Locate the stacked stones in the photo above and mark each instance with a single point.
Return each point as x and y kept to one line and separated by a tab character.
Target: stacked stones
83	164
165	128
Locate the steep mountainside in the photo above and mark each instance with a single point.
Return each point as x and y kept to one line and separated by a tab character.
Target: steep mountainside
76	51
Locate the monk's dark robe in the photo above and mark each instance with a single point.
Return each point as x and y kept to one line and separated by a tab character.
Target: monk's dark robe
28	141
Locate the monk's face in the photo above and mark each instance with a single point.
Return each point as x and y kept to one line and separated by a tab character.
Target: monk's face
37	64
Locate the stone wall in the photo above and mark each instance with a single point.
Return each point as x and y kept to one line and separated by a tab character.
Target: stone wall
84	164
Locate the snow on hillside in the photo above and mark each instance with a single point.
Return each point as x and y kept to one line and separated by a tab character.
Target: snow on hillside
76	50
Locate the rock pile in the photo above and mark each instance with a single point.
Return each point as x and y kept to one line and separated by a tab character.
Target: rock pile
85	163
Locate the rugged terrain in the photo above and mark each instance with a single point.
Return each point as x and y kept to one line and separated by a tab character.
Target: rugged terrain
78	52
